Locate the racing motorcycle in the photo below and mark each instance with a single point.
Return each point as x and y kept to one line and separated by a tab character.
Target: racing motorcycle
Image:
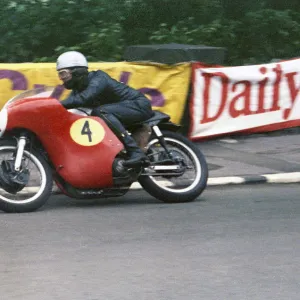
42	143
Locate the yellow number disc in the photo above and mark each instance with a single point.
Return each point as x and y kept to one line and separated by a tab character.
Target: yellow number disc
87	132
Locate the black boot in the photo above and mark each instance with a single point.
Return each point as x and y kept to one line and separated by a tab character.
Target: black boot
135	154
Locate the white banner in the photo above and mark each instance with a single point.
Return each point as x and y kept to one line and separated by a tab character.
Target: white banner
247	98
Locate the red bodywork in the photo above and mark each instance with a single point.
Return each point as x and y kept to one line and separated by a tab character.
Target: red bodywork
81	166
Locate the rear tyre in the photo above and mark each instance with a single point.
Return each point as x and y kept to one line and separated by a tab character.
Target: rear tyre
178	192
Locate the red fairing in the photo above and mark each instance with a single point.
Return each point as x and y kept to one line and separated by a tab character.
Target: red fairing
68	144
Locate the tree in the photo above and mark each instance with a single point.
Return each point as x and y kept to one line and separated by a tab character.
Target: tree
142	18
39	30
268	34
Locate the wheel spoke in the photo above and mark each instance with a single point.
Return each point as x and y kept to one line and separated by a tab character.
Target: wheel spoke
37	178
174	180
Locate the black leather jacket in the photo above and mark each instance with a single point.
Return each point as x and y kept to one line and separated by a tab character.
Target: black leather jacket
101	89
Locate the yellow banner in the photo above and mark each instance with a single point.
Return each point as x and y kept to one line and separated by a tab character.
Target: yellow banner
165	86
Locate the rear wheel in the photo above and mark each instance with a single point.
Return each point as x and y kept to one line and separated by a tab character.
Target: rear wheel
35	180
171	182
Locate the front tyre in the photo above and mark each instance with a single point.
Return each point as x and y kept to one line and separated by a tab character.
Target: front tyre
183	185
38	188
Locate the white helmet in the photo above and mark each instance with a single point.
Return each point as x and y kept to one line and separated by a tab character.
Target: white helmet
71	59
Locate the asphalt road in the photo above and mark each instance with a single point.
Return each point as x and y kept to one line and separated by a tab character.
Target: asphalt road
233	243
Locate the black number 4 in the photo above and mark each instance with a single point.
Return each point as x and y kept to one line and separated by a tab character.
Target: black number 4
86	130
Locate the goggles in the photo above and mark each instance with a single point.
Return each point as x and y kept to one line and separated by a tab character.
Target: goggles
65	74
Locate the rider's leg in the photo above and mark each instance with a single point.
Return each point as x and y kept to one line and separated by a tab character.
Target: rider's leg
126	112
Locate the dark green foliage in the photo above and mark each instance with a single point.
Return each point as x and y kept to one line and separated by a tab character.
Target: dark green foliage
253	31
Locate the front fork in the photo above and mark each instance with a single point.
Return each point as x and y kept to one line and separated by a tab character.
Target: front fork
20	151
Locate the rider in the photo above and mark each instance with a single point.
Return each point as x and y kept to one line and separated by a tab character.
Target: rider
118	104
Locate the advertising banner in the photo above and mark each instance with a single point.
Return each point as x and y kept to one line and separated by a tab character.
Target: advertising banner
165	86
253	98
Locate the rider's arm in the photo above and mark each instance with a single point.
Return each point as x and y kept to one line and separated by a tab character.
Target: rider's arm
88	97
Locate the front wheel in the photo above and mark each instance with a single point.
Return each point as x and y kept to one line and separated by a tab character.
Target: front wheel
36	189
171	182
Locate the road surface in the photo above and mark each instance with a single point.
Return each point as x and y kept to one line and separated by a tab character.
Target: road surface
233	243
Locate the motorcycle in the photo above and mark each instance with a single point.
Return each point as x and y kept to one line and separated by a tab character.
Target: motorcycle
42	143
